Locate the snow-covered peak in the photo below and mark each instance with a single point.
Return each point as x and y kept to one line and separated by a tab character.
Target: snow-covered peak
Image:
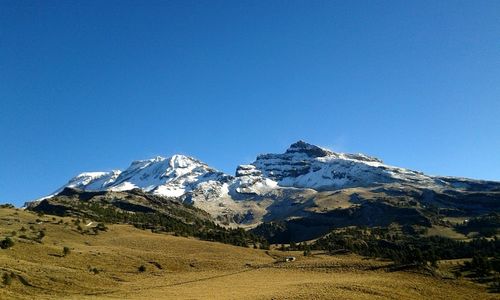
182	161
173	176
308	166
93	180
310	150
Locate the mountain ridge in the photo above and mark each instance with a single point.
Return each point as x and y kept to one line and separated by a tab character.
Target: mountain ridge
296	167
306	182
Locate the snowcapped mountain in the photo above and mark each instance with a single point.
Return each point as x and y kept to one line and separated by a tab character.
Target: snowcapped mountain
302	166
170	177
306	181
308	166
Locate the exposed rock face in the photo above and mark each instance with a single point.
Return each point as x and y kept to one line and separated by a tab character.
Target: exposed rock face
247	170
249	180
302	147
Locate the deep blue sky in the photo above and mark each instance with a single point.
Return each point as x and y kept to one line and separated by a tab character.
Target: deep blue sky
94	85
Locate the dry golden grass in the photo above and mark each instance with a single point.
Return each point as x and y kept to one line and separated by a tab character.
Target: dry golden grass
185	268
445	231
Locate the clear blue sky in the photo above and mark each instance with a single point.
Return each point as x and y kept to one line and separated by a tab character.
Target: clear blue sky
93	85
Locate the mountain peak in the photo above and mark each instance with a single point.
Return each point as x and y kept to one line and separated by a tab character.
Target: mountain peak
183	161
308	149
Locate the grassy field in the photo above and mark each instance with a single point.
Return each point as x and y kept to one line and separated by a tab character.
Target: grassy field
107	266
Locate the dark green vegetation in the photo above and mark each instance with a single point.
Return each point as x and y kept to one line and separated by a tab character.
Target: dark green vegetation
6	243
66	250
144	211
487	225
404	248
7	278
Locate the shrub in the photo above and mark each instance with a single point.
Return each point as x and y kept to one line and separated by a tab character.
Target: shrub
142	268
7	279
101	227
66	250
6	243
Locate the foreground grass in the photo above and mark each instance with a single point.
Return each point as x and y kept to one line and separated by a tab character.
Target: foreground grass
107	266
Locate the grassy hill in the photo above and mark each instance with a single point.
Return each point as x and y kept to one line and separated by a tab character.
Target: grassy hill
125	262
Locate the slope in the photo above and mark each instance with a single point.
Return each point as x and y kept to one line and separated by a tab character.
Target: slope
106	266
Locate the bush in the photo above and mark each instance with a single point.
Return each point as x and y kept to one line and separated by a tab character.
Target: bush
66	250
142	268
101	227
7	279
6	243
480	265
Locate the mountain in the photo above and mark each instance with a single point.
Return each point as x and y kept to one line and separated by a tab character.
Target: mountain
309	166
306	190
170	177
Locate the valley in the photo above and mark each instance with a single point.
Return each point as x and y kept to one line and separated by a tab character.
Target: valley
107	265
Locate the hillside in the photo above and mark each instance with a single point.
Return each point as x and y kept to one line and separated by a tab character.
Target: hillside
106	264
143	210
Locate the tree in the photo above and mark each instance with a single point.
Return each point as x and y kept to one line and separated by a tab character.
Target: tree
481	265
142	268
66	251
